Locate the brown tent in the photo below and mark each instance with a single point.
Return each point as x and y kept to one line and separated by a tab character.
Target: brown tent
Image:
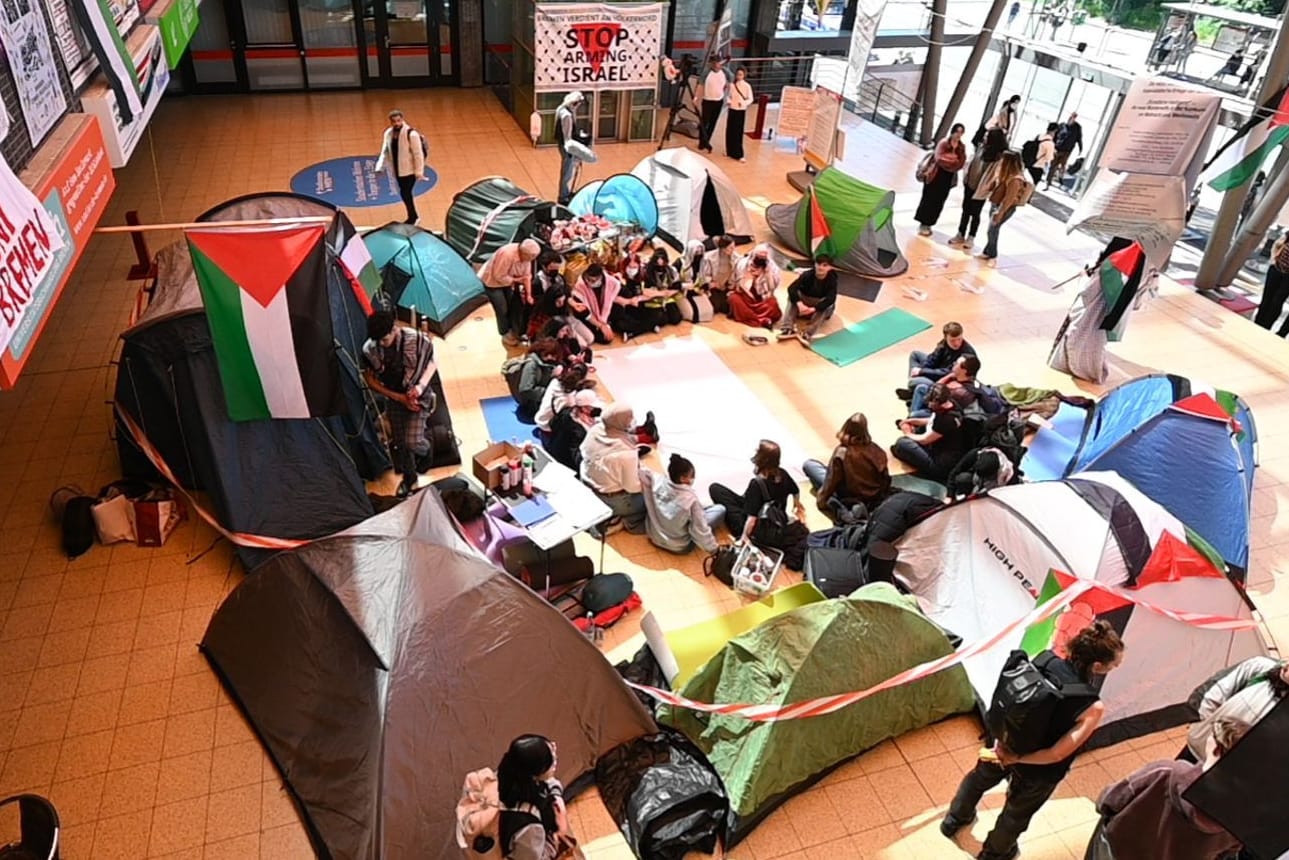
380	665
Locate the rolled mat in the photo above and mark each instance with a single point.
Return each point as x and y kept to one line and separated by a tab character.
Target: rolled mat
868	336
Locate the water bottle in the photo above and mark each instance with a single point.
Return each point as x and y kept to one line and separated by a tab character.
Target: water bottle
526	474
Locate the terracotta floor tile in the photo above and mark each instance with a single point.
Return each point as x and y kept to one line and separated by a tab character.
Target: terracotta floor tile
82	755
245	847
130	789
233	813
814	818
285	843
137	744
78	800
145	703
857	804
184	777
178	826
122	837
237	765
93	712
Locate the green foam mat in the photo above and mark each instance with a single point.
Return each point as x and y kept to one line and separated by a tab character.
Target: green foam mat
866	337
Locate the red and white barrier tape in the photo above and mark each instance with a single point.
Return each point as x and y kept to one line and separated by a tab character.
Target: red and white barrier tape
492	216
153	455
829	704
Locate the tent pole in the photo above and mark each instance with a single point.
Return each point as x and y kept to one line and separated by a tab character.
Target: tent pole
197	225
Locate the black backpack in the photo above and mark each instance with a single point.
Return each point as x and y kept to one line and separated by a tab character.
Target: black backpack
1005	431
1029	152
1025	702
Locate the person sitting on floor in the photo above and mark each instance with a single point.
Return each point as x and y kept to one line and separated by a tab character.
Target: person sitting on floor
664	287
533	820
961	382
676	520
571	379
772	485
689	265
933	445
939	361
811	297
856	478
611	468
564	331
593	299
1249	691
550	292
717	273
979	471
752	301
633	313
569	427
540	366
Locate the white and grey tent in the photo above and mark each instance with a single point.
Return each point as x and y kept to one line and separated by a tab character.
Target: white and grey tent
983	563
696	200
382	664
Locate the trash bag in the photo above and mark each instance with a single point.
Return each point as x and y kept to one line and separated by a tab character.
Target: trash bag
644	669
664	795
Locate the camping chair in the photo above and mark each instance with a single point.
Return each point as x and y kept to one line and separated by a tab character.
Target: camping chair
39	828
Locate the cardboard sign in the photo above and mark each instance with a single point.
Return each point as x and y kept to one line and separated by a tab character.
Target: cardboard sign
73	197
593	46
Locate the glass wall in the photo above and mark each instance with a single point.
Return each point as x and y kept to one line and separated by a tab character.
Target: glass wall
331	44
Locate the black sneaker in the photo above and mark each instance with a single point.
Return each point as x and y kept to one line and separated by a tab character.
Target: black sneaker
1010	855
406	486
950	826
905	394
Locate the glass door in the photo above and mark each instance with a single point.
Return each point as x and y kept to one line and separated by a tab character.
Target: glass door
409	42
272	52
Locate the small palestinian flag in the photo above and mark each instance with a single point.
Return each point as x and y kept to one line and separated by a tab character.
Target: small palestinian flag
820	234
266	301
1120	276
1241	157
355	259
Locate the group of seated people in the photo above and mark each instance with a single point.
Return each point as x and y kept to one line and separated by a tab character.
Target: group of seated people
646	290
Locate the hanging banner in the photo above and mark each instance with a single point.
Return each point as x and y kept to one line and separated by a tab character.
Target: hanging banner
31	59
95	18
71	42
29	244
178	21
595	46
122	129
1160	128
868	14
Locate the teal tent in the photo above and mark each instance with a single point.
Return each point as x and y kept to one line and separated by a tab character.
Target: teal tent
424	273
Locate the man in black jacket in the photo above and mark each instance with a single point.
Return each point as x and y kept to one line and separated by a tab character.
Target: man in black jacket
931	366
1069	135
812	297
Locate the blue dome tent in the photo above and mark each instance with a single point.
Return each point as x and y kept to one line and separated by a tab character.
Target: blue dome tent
620	198
423	272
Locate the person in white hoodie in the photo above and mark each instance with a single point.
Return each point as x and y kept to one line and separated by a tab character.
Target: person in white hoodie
676	520
403	150
1247	692
611	468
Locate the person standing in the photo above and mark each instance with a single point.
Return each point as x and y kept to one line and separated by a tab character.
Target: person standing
1276	289
508	278
1012	13
715	83
399	366
1009	191
982	161
1046	152
1095	650
812	297
403	150
735	120
1005	119
1069	135
950	156
565	133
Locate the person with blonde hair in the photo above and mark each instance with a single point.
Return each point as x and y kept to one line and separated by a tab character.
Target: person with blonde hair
856	475
1008	190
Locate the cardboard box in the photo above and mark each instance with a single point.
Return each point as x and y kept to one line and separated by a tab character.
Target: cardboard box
488	463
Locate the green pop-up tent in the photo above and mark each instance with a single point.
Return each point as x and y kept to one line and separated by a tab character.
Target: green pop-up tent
853	219
834	646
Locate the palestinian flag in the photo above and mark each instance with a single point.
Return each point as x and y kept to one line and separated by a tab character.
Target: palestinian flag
1120	276
99	26
820	235
355	259
1241	157
266	301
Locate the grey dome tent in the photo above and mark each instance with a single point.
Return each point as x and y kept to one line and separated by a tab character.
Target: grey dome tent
696	199
492	212
280	478
425	273
382	664
853	220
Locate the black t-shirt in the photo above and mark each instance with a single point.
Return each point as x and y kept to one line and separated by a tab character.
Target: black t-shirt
779	486
1066	715
951	445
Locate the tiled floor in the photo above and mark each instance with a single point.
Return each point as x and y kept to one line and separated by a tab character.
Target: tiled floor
110	710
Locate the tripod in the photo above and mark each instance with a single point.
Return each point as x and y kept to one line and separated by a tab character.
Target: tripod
688	95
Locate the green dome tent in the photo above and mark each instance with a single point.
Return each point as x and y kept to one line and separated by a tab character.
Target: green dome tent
833	646
855	219
422	271
493	211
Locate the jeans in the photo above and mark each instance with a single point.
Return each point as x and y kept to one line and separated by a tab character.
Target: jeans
567	173
405	186
920	387
991	235
735	510
918	456
816	320
508	305
838	509
1025	794
919	374
629	507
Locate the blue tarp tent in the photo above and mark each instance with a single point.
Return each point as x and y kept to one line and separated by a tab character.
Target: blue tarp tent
619	198
422	271
1191	449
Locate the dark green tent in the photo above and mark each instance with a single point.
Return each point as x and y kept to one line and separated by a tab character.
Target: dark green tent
492	212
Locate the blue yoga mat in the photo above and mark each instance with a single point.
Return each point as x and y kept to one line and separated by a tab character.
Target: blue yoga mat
866	337
503	423
1051	449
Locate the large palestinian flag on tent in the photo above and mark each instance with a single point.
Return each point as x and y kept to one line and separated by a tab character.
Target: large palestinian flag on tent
979	566
1241	157
265	293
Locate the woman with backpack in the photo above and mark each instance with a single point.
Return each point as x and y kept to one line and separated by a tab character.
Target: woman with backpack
760	514
949	157
533	824
856	474
982	161
1008	189
1031	778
